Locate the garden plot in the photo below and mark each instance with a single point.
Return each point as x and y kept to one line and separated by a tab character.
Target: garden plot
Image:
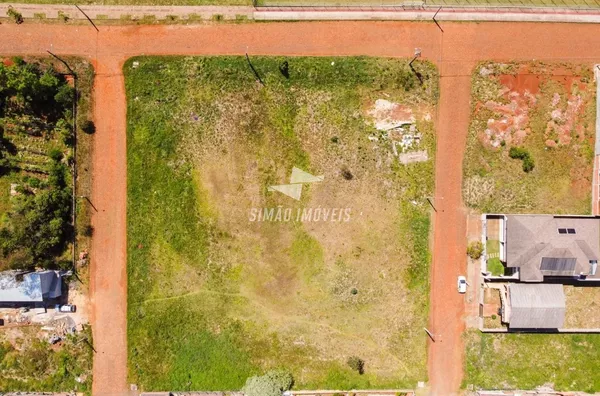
531	139
273	226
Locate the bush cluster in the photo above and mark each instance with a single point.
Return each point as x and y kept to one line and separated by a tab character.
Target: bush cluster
475	250
273	383
37	103
522	154
356	364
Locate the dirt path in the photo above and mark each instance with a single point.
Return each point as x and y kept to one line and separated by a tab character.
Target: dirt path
109	248
449	261
463	45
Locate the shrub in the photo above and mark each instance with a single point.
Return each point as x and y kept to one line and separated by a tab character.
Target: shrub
87	231
55	154
522	154
356	364
271	384
346	174
528	164
88	126
475	250
15	15
34	182
518	153
62	16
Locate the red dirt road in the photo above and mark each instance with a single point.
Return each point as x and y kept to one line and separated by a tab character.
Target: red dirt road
108	281
449	238
462	45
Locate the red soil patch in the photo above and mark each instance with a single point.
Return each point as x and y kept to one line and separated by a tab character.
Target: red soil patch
402	112
521	90
511	127
521	83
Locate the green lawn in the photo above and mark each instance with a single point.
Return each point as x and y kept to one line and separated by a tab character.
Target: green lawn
214	297
494	265
526	361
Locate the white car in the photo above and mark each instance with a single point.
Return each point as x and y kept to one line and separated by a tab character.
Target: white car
65	308
462	284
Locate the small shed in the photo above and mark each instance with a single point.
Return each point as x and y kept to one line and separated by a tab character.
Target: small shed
536	306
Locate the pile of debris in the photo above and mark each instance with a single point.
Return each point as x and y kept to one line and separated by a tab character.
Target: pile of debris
396	124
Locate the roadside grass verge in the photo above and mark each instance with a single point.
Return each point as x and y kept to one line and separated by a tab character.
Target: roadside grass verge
215	297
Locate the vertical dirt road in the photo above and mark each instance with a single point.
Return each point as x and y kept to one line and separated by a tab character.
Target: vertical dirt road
108	279
449	238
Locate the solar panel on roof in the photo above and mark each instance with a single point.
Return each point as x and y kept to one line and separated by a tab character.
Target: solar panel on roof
570	230
562	230
558	266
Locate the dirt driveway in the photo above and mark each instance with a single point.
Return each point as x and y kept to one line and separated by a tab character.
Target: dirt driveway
462	45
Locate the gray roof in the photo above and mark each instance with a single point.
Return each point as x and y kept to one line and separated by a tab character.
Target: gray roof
536	306
30	287
547	245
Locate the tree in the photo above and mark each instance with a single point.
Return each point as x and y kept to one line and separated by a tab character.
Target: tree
273	383
475	250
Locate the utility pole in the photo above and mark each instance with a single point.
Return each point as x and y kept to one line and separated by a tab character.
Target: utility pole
436	22
417	55
254	70
88	18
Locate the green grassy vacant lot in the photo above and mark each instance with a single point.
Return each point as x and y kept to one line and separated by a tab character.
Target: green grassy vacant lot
215	297
526	361
549	112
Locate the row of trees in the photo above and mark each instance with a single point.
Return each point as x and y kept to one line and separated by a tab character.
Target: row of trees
37	103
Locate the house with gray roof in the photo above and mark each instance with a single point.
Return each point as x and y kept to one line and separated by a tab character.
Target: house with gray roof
30	287
543	247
